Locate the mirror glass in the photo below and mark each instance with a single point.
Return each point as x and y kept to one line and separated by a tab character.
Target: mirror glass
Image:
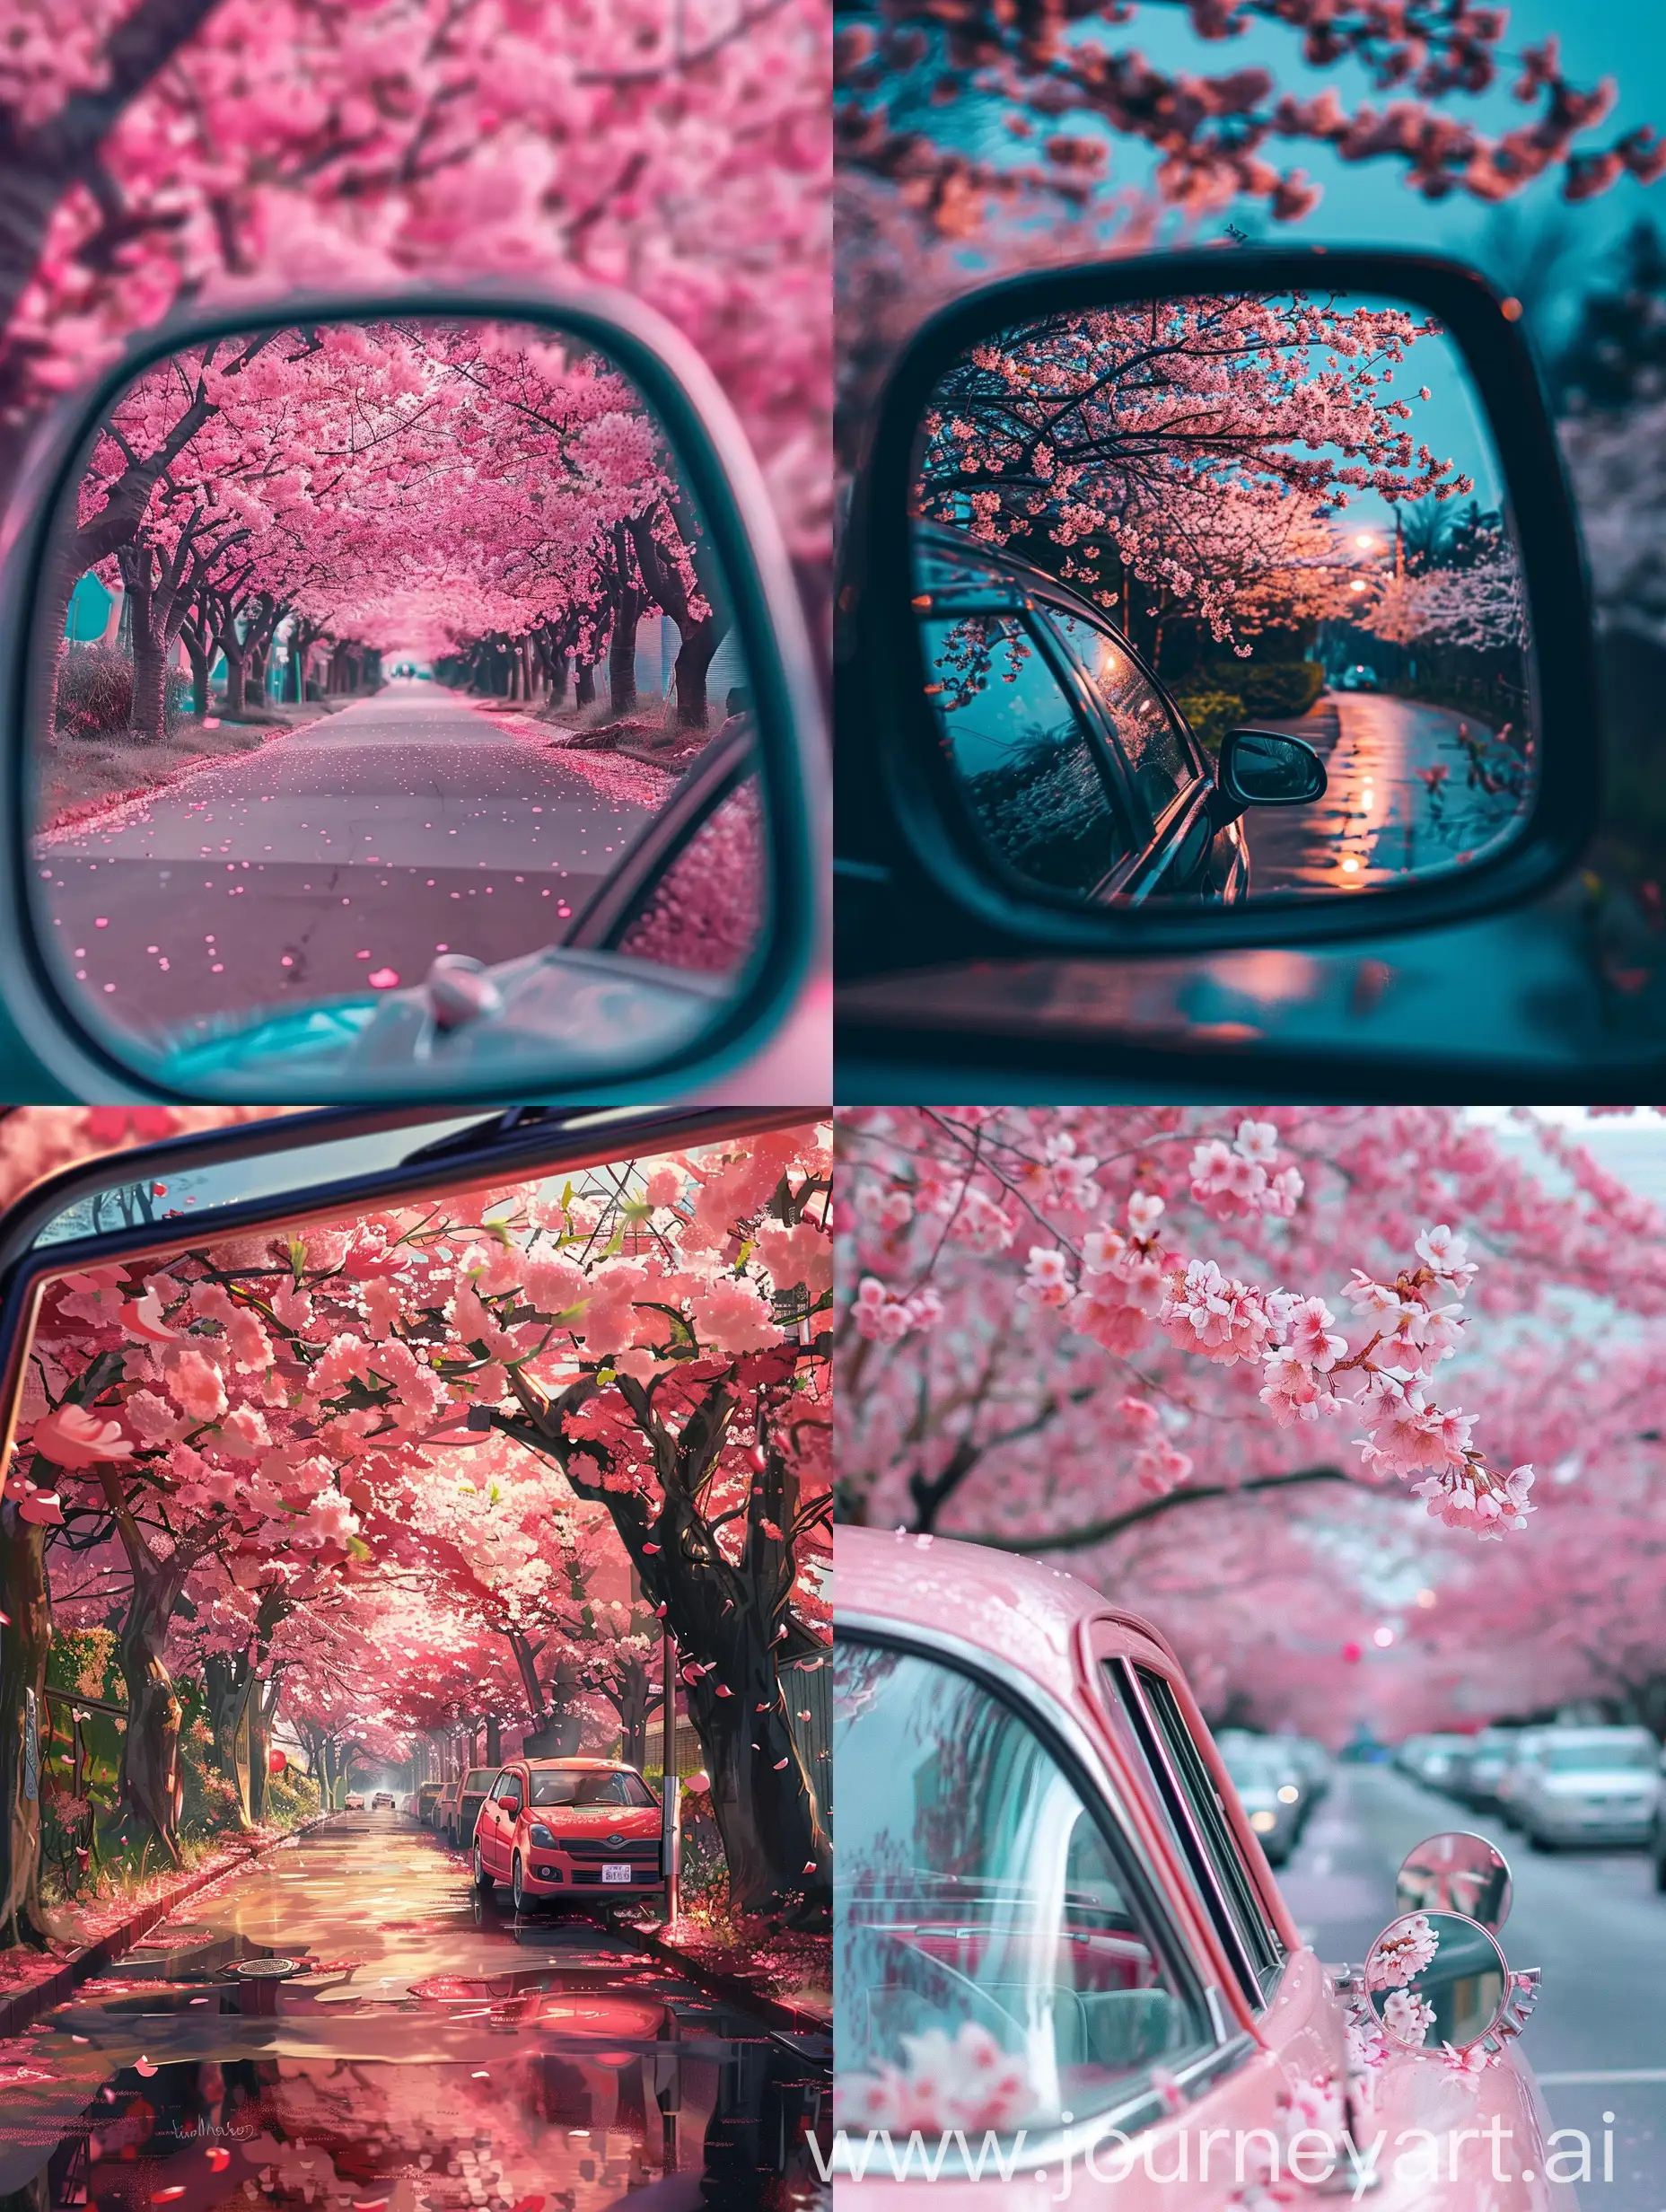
388	709
1141	526
1436	1978
1456	1872
1266	770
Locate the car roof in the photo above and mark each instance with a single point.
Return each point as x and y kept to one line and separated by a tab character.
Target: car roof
579	1766
1023	1614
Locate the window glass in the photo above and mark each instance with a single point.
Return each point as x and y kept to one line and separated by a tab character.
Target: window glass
1213	1898
1598	1756
975	1892
477	1778
555	1787
510	1787
1029	769
1259	1935
706	911
1156	752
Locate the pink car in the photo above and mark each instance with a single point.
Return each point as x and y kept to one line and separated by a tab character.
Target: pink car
1061	1957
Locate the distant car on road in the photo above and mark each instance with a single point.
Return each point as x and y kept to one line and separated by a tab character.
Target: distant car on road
1360	676
382	1801
1590	1785
354	1802
427	1797
1523	1756
458	1809
1432	1761
569	1830
1476	1780
1268	1790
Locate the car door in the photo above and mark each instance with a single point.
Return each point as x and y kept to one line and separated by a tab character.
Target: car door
508	1796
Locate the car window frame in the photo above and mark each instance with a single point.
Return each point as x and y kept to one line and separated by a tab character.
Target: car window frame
1190	749
1237	1873
1083	1766
958	602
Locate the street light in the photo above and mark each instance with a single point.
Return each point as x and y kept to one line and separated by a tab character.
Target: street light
1382	1637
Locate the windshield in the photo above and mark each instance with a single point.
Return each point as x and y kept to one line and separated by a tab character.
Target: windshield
570	1789
1598	1756
479	1780
1252	1768
977	1896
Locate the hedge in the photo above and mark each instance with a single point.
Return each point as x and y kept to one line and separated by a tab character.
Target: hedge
1276	688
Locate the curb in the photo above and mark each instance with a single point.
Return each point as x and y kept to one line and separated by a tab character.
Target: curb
779	2011
17	2013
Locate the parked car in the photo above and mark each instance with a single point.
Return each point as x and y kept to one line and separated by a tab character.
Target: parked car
354	1802
1434	1761
1078	771
1523	1756
1475	1778
382	1801
427	1797
1044	1864
461	1803
1314	1766
569	1830
1591	1786
1269	1790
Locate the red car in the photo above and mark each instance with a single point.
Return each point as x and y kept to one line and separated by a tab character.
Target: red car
569	1828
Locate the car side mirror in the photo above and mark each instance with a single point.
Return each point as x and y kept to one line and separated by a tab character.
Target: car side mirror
1266	767
1456	1872
1092	541
486	763
1437	1978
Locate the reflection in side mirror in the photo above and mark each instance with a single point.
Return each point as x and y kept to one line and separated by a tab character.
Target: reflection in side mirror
1262	768
1456	1872
1437	1978
371	657
1141	528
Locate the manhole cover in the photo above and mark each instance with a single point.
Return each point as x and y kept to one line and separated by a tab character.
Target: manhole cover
266	1970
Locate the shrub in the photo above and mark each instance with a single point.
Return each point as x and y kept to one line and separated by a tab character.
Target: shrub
1274	688
1211	713
94	691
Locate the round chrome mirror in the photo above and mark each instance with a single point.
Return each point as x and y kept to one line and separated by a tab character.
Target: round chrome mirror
1437	1978
1456	1872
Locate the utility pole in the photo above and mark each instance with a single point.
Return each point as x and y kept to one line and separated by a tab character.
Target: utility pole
670	1785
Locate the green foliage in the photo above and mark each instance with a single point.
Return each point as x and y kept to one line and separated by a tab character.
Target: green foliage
1280	688
95	691
1211	713
290	1798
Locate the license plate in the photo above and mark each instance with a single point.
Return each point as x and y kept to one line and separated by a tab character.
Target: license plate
614	1873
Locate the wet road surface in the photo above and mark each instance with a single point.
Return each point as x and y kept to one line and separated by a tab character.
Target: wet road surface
1398	800
1593	1920
355	848
428	2053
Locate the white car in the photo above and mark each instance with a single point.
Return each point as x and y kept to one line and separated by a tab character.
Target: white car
1590	1785
1524	1757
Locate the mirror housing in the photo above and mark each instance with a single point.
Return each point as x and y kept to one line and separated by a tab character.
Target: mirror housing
784	703
914	882
1265	767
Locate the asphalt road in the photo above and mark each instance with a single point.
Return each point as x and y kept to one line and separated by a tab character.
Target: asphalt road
357	846
433	2054
1382	816
1593	1920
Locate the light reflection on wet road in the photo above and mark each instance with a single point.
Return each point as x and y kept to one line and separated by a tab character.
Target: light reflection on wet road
1398	800
353	849
430	2053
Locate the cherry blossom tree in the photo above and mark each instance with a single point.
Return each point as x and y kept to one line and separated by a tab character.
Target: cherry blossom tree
1029	1352
1191	447
156	147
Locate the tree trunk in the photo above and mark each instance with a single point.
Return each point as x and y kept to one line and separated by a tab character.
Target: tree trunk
584	692
150	1750
25	1601
494	1741
700	641
201	663
622	652
223	1677
236	675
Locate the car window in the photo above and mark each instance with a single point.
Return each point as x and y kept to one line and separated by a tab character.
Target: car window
479	1779
979	1898
509	1788
1030	770
1252	1960
1190	1776
558	1788
1159	758
1598	1755
705	911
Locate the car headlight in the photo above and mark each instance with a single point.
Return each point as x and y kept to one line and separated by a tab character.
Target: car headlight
540	1834
1288	1794
1264	1823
